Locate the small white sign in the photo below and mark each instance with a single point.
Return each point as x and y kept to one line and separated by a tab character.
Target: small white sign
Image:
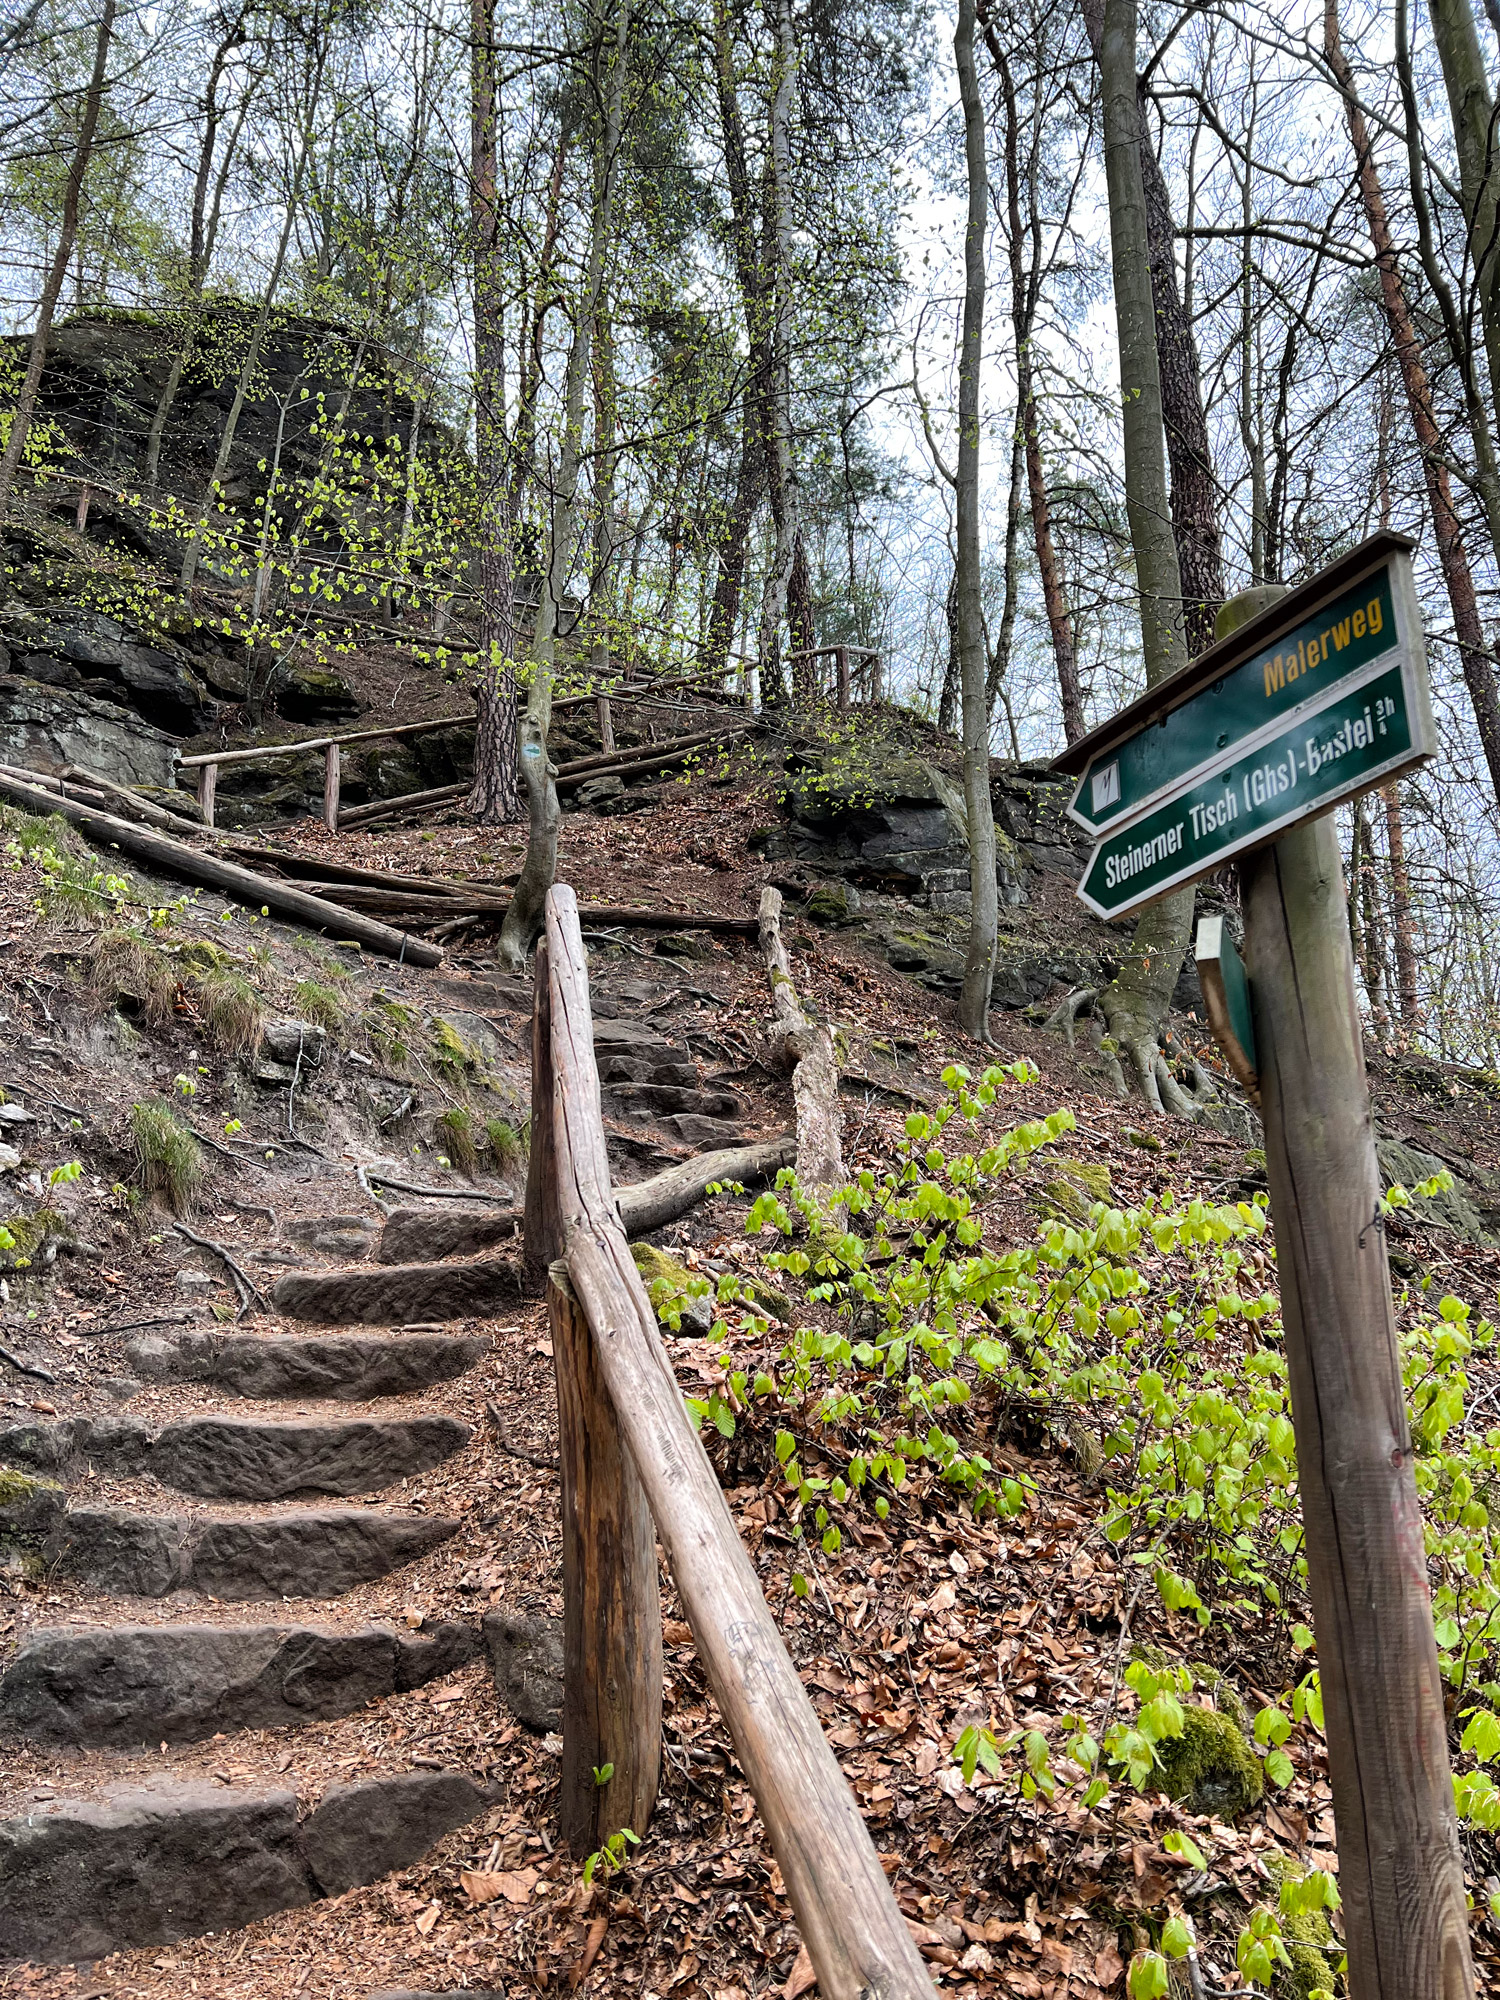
1105	790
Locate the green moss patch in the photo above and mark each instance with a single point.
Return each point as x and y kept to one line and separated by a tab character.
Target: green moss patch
1210	1767
1071	1189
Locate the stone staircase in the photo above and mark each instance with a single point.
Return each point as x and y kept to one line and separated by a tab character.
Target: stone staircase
229	1584
292	1512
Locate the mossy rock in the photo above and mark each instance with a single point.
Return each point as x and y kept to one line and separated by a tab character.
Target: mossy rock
1210	1767
834	904
1071	1189
30	1508
1310	1943
24	1238
679	1304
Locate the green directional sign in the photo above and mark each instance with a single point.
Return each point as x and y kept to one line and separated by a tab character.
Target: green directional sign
1247	689
1356	737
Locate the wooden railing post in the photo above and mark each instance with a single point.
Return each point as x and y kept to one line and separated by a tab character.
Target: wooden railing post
331	775
541	1228
208	784
841	663
854	1931
611	1599
606	723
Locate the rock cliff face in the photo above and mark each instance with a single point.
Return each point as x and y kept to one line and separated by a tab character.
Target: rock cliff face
96	659
44	729
106	372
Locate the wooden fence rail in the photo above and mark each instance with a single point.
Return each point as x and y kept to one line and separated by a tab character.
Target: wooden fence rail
207	762
626	1447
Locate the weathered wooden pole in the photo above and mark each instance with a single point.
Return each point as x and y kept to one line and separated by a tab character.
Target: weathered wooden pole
612	1640
1400	1870
331	777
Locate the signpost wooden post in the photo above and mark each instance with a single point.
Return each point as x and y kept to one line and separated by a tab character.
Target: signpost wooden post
1400	1868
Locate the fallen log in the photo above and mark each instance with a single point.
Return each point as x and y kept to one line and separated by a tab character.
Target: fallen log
315	868
134	805
638	753
191	864
427	1235
809	1047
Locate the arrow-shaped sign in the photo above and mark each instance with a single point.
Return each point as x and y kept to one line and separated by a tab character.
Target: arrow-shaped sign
1240	694
1357	737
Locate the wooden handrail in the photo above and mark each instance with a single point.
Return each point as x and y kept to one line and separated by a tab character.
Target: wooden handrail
854	1932
307	743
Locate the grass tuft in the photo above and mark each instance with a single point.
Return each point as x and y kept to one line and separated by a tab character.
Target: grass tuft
234	1016
168	1155
454	1131
504	1144
124	966
322	1005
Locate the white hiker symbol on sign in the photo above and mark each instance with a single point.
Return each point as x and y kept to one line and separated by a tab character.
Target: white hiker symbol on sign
1106	786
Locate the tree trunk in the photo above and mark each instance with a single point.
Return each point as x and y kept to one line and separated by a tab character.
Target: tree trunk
251	361
497	778
1138	997
1401	918
20	423
523	919
1472	105
979	960
203	230
785	597
1478	670
750	272
1023	315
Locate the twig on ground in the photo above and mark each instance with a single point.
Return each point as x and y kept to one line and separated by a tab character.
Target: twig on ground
134	1325
248	1292
26	1367
252	1208
465	1195
291	1094
492	1411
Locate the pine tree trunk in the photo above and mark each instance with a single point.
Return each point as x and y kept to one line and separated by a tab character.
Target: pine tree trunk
1453	557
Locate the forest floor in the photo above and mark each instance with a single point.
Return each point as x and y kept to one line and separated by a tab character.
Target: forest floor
919	1626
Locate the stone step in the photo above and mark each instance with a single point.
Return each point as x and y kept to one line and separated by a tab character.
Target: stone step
427	1235
242	1458
239	1558
128	1686
80	1878
343	1367
664	1097
398	1294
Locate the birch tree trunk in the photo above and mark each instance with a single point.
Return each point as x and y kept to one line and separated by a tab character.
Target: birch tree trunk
20	423
524	917
979	960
